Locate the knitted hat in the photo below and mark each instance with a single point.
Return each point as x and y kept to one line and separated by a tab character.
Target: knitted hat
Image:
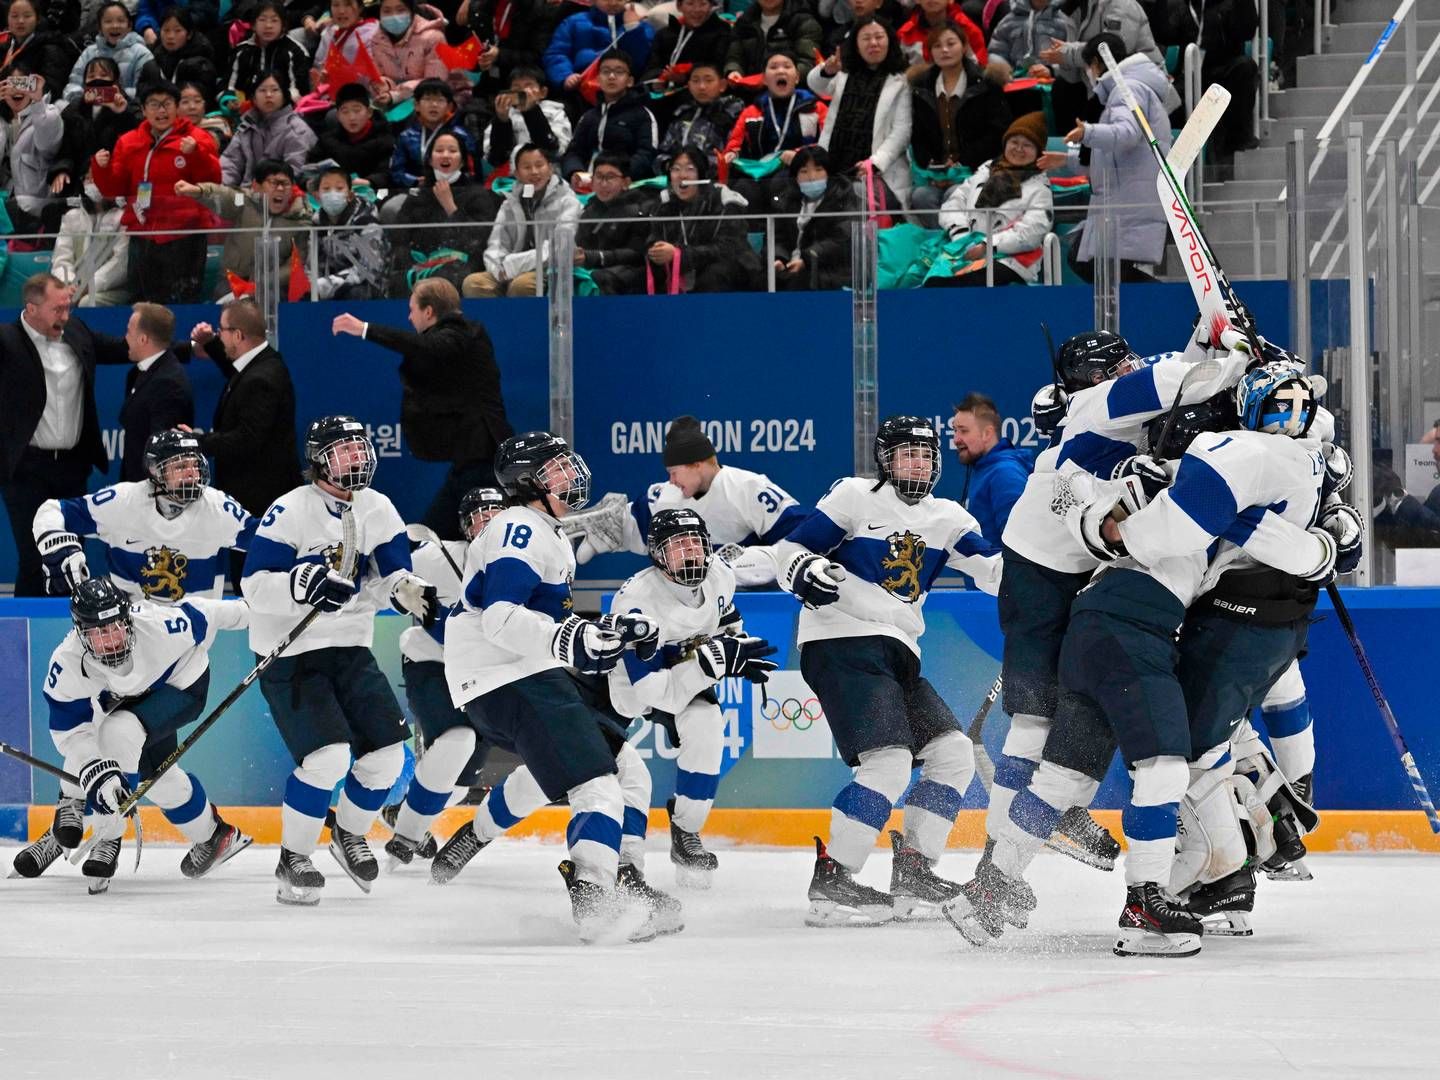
353	91
1030	126
686	442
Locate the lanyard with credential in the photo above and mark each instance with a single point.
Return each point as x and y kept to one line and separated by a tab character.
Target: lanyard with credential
780	129
680	42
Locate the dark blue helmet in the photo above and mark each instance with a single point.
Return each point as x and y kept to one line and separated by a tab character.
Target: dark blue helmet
185	480
1213	414
97	607
907	433
537	464
680	546
340	451
477	507
1093	357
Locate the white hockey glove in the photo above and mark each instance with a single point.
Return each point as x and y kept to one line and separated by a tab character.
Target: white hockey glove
586	646
1339	469
1047	408
1329	550
63	561
319	587
638	632
736	656
1343	522
730	621
416	597
105	790
814	580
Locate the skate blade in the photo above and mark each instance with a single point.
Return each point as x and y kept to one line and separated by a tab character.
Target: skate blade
239	845
688	877
827	913
960	914
365	886
1133	942
1081	855
1228	924
1296	871
296	896
97	886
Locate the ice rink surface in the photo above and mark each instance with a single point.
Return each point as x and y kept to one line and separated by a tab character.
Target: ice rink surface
166	977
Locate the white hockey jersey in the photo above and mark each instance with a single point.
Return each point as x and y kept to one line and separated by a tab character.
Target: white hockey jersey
892	552
1104	425
171	646
740	507
672	678
303	526
422	643
150	556
517	589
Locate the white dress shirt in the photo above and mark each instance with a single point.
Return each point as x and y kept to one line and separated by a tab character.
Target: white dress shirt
60	423
244	359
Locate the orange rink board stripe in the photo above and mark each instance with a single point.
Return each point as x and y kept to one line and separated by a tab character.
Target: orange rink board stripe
1340	830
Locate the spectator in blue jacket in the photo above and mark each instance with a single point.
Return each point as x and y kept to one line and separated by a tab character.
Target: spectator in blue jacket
580	39
434	115
995	470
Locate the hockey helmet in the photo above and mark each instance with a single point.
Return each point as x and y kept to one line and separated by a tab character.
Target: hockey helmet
102	617
340	452
1274	399
680	546
1215	413
176	466
537	464
477	507
1090	358
900	443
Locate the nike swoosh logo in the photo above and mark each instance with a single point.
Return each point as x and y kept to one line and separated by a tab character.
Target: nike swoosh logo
876	528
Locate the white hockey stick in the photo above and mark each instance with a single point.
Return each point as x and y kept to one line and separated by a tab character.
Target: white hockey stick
1204	118
423	534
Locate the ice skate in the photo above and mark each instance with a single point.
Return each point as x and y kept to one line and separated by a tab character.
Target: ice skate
915	890
224	844
69	825
978	912
605	916
299	882
1019	899
353	854
837	899
1084	839
34	860
666	915
1152	924
457	852
400	851
1224	906
99	865
694	866
424	848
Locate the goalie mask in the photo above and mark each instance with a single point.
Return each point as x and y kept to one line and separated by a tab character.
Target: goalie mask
1275	400
477	507
1213	414
176	466
907	452
680	546
1088	359
340	452
102	618
537	465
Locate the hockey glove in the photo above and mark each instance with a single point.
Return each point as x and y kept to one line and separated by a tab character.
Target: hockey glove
1326	568
63	560
730	621
1344	523
416	597
1047	408
319	587
1152	477
814	580
740	656
1338	469
636	631
586	646
105	790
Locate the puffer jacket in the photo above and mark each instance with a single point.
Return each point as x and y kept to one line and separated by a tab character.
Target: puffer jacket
29	157
709	41
719	240
351	253
754	136
150	13
706	127
366	156
130	53
823	242
46	52
625	126
193	62
453	252
1122	168
914	33
512	247
413	57
139	157
1023	33
93	254
281	135
407	162
248	218
1123	17
796	30
1018	230
285	56
581	38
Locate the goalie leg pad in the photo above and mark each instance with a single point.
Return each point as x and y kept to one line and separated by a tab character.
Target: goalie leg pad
1212	842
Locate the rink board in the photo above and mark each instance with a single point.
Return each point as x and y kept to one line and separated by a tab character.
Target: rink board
781	766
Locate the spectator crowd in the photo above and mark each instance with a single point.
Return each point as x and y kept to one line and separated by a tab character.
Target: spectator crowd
404	141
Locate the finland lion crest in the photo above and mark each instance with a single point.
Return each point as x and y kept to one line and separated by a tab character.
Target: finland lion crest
906	557
163	575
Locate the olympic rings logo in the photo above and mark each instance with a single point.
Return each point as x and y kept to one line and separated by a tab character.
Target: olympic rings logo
788	713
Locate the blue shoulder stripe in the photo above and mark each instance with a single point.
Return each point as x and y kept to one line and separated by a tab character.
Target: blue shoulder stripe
1204	495
1133	394
817	533
68	715
78	518
266	554
788	521
393	555
505	581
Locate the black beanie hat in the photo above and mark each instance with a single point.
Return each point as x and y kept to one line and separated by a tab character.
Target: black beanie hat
686	442
352	92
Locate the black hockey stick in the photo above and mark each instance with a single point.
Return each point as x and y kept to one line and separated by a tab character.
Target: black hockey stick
1204	369
1407	759
984	767
69	778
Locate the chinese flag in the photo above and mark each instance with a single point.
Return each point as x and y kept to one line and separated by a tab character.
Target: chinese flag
462	57
299	280
339	71
238	285
590	82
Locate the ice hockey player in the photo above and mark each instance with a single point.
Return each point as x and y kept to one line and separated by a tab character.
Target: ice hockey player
509	655
1260	492
328	696
454	751
690	594
745	512
1110	394
166	538
862	564
119	686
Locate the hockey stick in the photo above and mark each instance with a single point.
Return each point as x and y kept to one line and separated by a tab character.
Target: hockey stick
1205	369
423	534
349	561
69	778
984	767
1407	759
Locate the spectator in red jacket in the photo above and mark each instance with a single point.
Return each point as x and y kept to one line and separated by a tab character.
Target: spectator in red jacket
930	15
144	167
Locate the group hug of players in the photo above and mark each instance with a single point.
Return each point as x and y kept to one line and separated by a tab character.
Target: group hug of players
1155	582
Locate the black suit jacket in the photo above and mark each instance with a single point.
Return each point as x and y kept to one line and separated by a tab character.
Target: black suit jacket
22	390
155	400
252	440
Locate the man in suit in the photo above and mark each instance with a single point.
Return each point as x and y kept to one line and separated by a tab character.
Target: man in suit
451	408
49	430
157	390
